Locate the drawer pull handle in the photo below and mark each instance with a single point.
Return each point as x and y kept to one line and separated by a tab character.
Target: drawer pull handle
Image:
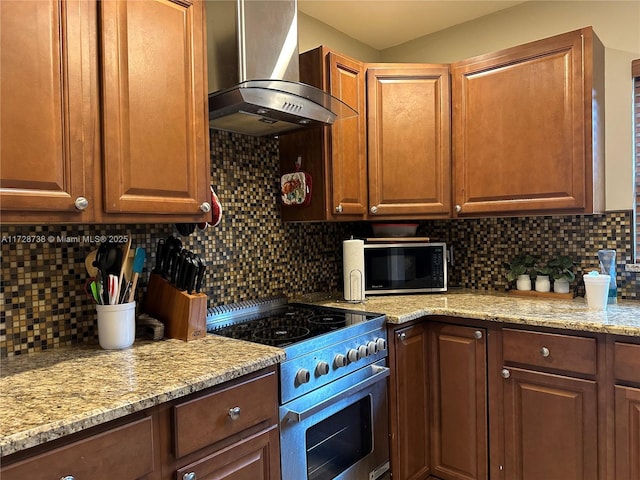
68	477
544	351
234	413
505	373
189	476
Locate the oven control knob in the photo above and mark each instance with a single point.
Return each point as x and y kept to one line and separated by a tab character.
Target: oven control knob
363	351
340	361
353	355
302	376
322	368
382	344
372	348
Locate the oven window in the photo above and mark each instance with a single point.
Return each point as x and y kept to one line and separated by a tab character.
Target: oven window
339	441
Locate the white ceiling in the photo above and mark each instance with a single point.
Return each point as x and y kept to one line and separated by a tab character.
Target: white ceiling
385	23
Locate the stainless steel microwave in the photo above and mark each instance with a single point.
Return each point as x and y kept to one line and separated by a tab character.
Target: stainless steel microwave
405	266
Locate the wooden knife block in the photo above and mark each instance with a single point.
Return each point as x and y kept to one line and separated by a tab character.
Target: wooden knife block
184	315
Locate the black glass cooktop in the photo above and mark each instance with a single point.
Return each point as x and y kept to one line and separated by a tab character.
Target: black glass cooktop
288	324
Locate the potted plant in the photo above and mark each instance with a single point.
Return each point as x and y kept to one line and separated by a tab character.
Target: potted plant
520	270
562	271
542	278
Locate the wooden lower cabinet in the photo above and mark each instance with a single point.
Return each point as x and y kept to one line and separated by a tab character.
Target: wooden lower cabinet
458	362
627	436
551	428
252	458
475	400
124	452
229	432
409	401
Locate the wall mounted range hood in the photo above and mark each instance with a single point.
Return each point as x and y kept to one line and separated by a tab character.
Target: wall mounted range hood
253	71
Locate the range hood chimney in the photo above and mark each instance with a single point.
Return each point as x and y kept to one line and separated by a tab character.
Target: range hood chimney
253	71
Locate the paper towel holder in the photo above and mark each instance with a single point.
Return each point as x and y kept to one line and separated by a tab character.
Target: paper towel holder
362	299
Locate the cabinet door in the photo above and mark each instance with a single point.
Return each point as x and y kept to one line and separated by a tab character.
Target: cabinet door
348	166
627	436
409	403
335	156
525	128
550	426
45	144
408	121
254	458
459	392
155	137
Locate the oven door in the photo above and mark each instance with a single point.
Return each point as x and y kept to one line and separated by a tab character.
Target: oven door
339	431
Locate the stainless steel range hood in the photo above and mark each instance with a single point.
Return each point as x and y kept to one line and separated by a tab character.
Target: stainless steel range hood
253	71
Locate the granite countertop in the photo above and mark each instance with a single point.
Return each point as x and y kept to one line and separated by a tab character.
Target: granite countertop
58	392
622	318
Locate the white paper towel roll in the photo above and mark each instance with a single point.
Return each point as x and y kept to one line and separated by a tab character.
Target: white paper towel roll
353	269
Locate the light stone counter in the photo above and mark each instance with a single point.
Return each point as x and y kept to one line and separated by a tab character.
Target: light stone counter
47	395
622	318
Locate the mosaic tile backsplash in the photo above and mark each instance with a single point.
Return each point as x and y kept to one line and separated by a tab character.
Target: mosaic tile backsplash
253	254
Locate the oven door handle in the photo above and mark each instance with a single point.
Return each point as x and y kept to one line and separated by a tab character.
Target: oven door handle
379	374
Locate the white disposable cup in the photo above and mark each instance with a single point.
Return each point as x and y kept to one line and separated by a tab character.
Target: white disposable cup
597	291
116	325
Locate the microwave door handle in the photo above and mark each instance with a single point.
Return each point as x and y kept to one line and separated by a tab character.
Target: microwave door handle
379	374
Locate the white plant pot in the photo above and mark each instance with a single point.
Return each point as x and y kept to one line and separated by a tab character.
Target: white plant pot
523	282
542	283
561	285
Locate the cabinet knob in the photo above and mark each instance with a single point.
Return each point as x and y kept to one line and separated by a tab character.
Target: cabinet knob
374	209
81	203
68	477
458	208
505	373
477	334
402	336
205	207
234	413
189	476
544	351
339	209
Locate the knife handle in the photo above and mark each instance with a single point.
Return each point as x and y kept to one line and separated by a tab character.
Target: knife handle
159	256
192	270
175	262
201	269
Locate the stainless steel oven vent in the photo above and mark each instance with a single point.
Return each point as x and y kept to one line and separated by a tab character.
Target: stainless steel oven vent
254	72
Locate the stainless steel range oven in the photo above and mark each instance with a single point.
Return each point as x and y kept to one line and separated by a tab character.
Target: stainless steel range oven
333	385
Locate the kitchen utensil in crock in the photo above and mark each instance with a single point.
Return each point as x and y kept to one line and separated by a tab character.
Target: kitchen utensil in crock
125	256
92	270
138	264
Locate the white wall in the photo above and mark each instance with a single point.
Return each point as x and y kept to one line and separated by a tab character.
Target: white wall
312	33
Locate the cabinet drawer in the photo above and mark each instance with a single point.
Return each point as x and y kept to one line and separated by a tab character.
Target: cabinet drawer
548	350
627	362
256	457
124	453
208	419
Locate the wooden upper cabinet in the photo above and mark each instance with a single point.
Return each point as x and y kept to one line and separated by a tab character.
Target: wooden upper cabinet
527	128
335	156
408	120
138	153
44	160
155	142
